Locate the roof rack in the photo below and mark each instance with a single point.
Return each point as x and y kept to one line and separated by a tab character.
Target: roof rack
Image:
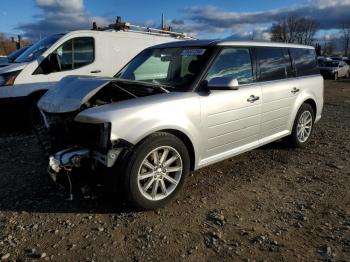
126	26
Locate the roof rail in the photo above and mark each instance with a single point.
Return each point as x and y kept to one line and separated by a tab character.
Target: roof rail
126	26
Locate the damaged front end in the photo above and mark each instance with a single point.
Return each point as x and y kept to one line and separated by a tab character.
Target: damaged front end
90	154
78	149
73	169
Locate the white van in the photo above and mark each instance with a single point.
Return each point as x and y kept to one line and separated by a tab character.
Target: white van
85	52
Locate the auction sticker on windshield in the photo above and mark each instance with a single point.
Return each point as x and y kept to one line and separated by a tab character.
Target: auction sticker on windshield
193	52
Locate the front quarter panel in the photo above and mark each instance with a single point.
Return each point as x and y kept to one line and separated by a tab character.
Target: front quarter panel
135	119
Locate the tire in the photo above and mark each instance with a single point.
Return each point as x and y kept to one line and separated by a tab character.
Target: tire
150	193
295	140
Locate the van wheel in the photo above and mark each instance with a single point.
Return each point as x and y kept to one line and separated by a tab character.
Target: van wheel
156	171
302	127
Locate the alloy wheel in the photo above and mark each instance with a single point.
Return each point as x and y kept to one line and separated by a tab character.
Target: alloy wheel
304	126
160	173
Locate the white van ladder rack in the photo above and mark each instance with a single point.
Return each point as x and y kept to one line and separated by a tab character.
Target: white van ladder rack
126	26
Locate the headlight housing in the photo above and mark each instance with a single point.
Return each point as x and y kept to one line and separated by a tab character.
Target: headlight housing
8	79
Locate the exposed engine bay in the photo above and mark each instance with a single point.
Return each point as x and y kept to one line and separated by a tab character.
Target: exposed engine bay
60	106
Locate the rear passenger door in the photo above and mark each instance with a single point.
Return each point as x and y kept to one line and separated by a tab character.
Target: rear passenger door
279	91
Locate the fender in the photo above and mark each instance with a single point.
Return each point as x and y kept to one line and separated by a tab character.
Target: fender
133	120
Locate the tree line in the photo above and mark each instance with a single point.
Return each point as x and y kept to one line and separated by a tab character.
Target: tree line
301	30
8	44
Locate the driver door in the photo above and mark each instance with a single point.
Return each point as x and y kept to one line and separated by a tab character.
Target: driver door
231	118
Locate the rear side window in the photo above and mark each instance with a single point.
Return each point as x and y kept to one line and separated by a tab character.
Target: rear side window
273	63
305	61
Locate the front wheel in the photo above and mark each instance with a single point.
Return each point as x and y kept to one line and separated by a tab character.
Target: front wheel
156	171
302	127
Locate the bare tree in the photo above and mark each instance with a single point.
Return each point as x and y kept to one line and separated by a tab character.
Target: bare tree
346	36
7	45
329	46
294	29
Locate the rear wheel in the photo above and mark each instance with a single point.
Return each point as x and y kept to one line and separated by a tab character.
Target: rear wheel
156	171
302	127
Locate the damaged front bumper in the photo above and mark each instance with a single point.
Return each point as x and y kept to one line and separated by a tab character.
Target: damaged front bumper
70	158
72	165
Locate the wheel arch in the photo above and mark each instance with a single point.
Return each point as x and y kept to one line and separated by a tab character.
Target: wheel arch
312	103
184	138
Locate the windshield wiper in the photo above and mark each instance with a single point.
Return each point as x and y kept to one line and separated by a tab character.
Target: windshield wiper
157	86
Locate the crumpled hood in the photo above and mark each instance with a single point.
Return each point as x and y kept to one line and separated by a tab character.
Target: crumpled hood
71	92
12	67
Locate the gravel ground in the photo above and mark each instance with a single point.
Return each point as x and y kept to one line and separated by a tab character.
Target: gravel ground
270	204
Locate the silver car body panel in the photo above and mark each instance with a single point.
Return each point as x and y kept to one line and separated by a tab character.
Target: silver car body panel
219	124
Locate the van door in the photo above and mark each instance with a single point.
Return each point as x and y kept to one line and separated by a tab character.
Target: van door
279	91
231	118
76	56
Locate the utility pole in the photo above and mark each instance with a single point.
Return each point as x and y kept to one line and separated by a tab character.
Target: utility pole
17	41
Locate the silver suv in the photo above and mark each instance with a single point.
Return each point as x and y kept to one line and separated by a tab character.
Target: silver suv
178	107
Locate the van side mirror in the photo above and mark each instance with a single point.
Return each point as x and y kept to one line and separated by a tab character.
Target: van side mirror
223	83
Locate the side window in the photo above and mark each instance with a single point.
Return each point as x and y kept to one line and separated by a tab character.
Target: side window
289	65
305	61
234	63
186	62
273	63
65	55
83	51
76	53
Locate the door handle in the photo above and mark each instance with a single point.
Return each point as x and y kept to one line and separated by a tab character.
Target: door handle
253	98
295	90
95	71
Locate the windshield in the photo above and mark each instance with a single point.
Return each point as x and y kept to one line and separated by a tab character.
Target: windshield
38	48
174	68
329	63
12	56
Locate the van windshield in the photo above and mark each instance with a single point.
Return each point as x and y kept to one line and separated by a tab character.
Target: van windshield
13	56
38	48
176	68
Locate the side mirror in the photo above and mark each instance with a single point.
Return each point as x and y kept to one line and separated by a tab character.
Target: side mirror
223	83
